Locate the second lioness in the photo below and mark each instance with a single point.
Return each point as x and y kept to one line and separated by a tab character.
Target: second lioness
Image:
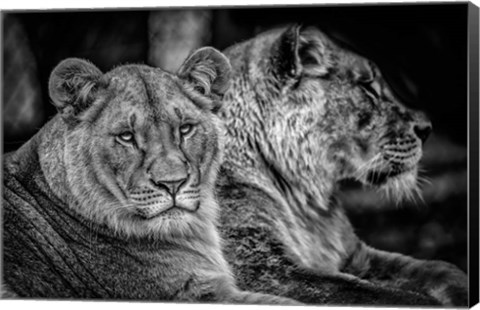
302	115
113	198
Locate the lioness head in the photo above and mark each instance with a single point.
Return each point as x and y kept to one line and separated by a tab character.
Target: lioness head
141	145
326	114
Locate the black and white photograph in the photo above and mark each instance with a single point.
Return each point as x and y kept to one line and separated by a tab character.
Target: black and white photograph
293	155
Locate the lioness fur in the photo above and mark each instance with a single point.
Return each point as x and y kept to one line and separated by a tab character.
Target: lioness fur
303	114
113	197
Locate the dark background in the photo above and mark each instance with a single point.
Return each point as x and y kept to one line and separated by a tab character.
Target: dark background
421	49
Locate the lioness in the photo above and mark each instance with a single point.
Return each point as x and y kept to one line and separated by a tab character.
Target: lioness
113	197
302	115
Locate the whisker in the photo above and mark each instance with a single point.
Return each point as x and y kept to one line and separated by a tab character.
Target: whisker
424	181
366	167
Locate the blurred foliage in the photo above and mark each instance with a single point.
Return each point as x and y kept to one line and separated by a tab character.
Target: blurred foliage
22	103
174	34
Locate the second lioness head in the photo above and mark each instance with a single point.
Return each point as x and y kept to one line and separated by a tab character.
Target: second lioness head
317	113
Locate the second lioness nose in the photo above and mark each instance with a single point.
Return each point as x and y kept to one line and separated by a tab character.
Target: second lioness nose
422	131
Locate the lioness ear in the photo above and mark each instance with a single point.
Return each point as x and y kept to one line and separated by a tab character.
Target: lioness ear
301	52
285	59
209	71
72	86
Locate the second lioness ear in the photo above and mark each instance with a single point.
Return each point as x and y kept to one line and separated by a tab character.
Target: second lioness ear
208	70
300	51
72	86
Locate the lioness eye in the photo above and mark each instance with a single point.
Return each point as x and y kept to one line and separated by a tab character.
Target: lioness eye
126	137
371	90
364	119
200	89
185	129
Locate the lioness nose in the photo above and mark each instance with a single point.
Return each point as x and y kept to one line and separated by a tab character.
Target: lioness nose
172	186
423	130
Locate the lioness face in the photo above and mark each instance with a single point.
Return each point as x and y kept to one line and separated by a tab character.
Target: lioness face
361	128
143	157
158	144
364	131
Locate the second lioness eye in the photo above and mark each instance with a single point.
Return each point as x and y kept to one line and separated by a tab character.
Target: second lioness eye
126	137
364	120
371	90
185	129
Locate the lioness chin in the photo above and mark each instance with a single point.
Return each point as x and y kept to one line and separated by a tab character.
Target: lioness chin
302	115
113	197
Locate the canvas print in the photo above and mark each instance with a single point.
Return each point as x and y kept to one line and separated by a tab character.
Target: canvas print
301	155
